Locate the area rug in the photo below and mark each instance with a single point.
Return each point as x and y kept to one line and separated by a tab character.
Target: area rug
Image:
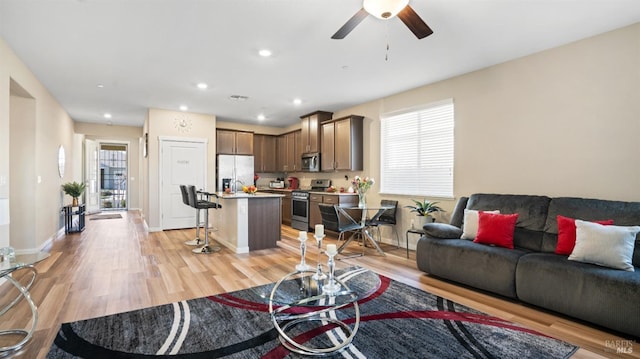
105	216
397	321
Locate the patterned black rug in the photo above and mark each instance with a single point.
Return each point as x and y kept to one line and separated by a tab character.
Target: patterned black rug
397	321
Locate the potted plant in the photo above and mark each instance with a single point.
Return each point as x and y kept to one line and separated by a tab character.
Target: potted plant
423	210
75	190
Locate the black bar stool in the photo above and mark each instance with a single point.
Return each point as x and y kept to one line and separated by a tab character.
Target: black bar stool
185	199
206	205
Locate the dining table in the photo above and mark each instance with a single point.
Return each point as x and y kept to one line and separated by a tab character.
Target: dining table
365	233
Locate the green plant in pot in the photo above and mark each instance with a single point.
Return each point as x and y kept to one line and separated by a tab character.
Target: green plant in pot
75	190
423	210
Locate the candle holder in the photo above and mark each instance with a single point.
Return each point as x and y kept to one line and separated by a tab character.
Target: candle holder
331	286
319	275
302	266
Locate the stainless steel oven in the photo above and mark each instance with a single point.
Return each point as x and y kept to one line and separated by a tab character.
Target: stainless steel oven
300	203
300	210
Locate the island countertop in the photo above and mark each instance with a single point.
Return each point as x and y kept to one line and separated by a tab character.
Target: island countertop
243	195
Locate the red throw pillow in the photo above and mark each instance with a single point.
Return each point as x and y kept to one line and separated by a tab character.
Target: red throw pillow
567	233
496	229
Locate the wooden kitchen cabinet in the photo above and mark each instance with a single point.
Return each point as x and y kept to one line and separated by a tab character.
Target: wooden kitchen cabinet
264	148
342	144
229	142
310	133
286	208
289	155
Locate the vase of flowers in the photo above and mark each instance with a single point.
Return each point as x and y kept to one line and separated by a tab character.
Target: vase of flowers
361	186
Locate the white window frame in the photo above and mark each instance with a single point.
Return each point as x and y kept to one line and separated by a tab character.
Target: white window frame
427	169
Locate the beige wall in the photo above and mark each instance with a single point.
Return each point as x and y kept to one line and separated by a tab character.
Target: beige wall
53	128
563	122
120	134
162	123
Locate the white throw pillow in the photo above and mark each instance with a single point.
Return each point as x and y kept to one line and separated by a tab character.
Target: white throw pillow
470	226
607	246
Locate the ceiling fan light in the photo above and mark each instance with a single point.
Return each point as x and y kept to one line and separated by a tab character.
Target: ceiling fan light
384	9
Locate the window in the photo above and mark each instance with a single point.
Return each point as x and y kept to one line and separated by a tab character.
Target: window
417	151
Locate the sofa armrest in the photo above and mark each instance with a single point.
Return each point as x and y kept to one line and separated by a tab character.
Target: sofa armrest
442	230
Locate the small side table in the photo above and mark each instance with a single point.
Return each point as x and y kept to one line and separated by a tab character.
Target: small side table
71	226
414	231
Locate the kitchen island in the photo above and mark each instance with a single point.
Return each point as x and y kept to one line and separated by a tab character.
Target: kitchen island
248	222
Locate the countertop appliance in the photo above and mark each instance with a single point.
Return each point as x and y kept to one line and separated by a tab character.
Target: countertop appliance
294	183
300	203
311	162
276	184
238	169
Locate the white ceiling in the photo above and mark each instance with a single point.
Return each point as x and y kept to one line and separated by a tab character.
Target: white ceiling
152	53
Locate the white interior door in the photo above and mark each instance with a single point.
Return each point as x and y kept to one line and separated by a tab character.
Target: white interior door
92	191
183	163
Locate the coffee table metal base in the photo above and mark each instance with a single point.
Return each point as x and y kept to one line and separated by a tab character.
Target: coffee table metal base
285	322
24	293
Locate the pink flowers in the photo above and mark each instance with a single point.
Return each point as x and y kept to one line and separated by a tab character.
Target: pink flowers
362	185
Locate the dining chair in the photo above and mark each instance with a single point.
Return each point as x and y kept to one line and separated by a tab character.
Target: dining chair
385	217
334	221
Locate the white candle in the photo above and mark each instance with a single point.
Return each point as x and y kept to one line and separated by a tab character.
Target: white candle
303	235
319	230
331	249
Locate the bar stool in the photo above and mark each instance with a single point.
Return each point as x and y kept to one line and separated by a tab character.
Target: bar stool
185	199
206	205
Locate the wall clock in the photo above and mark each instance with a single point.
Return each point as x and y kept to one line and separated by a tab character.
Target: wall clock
182	123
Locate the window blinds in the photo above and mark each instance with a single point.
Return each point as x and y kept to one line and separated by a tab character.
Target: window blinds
417	151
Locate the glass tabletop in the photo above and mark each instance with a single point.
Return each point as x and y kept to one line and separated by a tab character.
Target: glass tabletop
10	264
299	288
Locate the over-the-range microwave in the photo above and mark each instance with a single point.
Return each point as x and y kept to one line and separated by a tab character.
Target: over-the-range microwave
311	162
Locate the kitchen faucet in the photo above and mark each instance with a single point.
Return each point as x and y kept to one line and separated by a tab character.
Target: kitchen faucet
235	187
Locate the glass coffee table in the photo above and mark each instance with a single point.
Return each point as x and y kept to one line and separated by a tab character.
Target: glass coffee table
312	321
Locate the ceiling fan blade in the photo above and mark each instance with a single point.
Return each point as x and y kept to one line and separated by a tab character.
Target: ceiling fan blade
350	25
414	22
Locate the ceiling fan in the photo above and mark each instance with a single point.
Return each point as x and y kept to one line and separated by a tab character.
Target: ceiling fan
386	9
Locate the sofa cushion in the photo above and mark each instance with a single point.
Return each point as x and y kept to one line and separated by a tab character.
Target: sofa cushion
622	213
567	234
441	230
596	294
460	260
609	246
496	229
531	210
470	224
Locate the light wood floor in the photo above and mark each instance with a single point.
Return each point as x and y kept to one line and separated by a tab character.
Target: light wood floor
116	266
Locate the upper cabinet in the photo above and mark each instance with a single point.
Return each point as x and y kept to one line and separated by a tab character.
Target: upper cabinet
264	148
289	152
310	135
342	142
230	142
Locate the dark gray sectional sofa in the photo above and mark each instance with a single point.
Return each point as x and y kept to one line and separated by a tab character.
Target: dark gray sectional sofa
532	272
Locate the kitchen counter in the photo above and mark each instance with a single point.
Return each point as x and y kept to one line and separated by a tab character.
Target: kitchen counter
248	222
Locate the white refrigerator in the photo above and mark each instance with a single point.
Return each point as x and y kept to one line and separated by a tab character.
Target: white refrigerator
239	169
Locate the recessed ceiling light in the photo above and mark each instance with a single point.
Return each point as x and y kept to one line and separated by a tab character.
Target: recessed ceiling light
297	101
202	86
261	117
100	86
183	108
107	115
264	53
238	98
